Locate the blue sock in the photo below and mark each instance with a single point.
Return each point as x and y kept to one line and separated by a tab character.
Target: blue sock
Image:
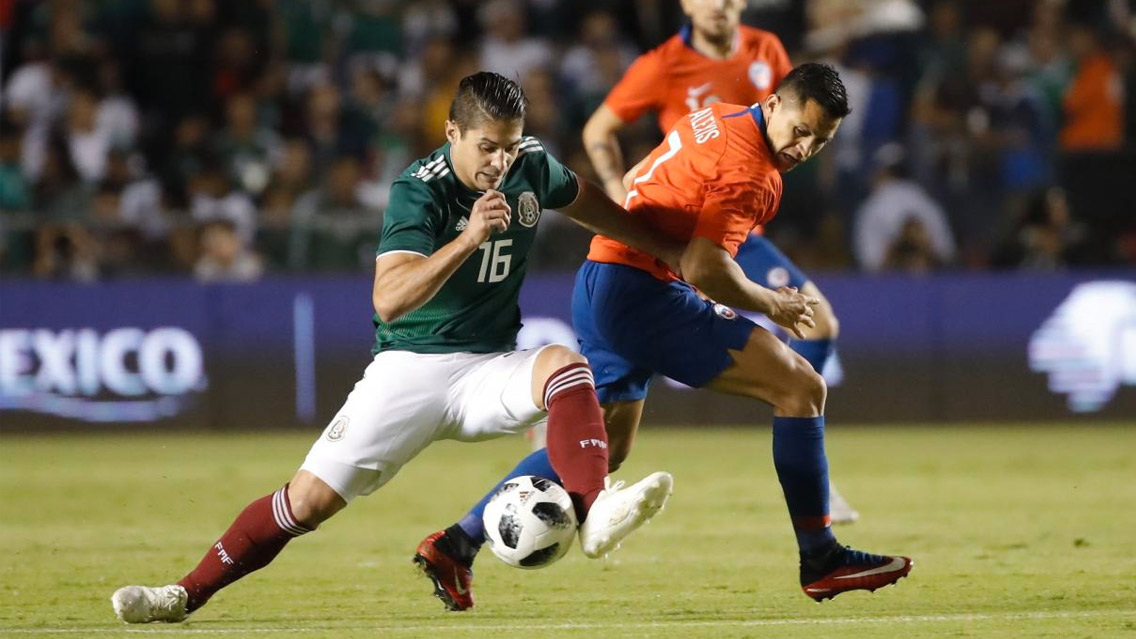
535	464
816	351
802	468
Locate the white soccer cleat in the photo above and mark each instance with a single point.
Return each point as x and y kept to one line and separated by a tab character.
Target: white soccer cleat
142	604
839	510
619	510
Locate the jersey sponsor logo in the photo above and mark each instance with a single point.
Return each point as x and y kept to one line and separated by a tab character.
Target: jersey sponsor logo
338	428
761	75
705	125
1088	345
528	212
725	312
462	223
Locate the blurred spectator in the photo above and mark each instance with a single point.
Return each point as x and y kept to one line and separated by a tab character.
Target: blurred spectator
15	194
59	194
331	230
899	223
912	251
237	65
596	60
186	157
117	116
506	49
1094	102
88	144
170	56
247	149
1045	237
223	257
212	197
65	251
425	20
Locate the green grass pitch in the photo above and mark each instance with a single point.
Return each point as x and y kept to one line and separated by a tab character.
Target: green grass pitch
1016	531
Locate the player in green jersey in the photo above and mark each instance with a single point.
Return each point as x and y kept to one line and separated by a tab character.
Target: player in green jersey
450	263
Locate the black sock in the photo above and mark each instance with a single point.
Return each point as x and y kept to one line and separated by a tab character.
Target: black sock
457	544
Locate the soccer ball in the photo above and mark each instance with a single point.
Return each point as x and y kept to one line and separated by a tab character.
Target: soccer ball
530	522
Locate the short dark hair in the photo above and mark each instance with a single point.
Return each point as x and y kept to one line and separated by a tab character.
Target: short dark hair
487	96
819	82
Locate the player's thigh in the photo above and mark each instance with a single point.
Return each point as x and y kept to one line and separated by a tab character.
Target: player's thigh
765	264
665	327
494	397
395	411
768	370
618	380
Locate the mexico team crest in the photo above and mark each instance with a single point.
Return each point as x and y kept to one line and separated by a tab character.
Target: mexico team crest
338	428
528	212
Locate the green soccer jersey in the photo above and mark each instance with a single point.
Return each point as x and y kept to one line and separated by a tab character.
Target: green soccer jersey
476	310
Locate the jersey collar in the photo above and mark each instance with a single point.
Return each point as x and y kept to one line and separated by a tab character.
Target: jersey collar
754	111
686	33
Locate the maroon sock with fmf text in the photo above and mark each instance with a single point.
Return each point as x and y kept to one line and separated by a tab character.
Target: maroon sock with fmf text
253	540
577	441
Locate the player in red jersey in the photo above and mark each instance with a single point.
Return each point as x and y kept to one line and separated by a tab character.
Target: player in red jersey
716	176
713	59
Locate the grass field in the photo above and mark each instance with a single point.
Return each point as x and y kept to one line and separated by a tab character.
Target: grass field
1016	532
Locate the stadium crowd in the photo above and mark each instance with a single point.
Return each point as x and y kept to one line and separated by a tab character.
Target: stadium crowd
230	139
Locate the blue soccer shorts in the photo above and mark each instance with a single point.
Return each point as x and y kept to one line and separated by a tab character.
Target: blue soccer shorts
631	325
765	264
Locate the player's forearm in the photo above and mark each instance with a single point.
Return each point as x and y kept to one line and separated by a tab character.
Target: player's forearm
596	212
603	150
735	290
407	286
715	273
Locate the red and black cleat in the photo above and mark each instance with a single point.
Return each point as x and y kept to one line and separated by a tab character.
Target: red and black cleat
453	580
843	569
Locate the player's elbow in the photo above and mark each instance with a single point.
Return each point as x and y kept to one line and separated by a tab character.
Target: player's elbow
703	275
385	308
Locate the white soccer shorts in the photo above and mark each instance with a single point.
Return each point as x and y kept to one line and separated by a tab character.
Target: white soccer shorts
406	401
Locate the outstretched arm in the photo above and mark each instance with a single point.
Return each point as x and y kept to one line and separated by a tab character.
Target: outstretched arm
405	281
710	268
596	212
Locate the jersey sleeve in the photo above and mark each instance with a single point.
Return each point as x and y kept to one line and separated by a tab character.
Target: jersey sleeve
639	89
733	203
557	183
411	220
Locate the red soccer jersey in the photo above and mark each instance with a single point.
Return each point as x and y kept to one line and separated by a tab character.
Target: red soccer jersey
674	79
712	177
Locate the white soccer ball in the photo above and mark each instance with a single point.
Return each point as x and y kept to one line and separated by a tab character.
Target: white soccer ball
530	522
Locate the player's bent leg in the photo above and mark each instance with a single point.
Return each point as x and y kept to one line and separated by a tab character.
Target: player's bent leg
253	540
578	450
768	370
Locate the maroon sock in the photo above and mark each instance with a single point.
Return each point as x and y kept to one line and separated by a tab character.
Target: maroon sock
577	441
253	540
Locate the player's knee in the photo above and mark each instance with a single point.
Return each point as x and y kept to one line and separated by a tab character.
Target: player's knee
807	393
556	357
313	503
